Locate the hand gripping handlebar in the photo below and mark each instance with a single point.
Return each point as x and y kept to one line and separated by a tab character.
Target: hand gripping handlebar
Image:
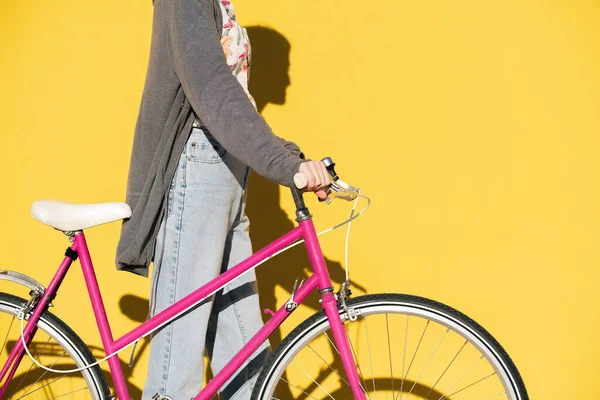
338	189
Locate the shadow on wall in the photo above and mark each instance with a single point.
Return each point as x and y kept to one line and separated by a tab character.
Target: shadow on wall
268	84
269	79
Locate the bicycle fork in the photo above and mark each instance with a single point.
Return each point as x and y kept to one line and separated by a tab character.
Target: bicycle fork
341	339
330	306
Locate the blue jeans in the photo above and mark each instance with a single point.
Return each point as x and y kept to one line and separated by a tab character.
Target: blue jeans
205	232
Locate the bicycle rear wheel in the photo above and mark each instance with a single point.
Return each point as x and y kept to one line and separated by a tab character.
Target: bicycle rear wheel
405	348
54	345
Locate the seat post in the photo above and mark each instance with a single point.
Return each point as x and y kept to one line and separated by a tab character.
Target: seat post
70	234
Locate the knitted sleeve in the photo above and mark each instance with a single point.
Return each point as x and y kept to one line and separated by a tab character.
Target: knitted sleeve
216	96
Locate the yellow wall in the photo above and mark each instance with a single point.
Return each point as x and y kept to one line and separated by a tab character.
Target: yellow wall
473	125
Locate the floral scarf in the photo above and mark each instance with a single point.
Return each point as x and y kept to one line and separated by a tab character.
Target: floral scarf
236	46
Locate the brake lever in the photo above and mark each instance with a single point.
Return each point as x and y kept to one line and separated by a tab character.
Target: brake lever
344	191
341	190
338	189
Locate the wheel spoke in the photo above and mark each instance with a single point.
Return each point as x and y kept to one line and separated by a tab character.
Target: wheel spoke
329	365
332	344
338	352
66	394
403	357
387	328
370	356
54	345
445	370
461	378
7	332
41	376
427	363
36	356
434	364
472	384
314	381
297	388
364	384
415	354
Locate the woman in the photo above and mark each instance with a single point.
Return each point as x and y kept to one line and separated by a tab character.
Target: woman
197	135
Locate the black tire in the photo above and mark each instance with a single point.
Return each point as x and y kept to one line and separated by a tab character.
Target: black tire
425	311
59	336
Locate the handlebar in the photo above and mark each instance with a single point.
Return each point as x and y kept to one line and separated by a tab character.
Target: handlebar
338	189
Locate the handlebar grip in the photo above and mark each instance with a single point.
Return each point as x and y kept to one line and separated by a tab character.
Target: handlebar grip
300	180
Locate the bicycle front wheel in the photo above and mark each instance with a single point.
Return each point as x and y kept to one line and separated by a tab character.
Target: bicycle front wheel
54	345
405	348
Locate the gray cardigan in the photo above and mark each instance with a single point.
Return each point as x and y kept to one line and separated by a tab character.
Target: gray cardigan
188	76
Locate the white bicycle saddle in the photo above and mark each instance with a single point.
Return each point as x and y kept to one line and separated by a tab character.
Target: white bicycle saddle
75	217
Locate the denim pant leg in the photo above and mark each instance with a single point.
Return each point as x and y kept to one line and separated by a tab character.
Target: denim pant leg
205	199
236	317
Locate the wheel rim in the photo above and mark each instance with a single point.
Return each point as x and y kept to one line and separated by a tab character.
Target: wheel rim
52	349
440	358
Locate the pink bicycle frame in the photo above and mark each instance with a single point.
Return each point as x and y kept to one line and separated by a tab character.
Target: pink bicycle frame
319	280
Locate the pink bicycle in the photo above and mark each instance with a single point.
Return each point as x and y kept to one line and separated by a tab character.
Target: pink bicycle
391	346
